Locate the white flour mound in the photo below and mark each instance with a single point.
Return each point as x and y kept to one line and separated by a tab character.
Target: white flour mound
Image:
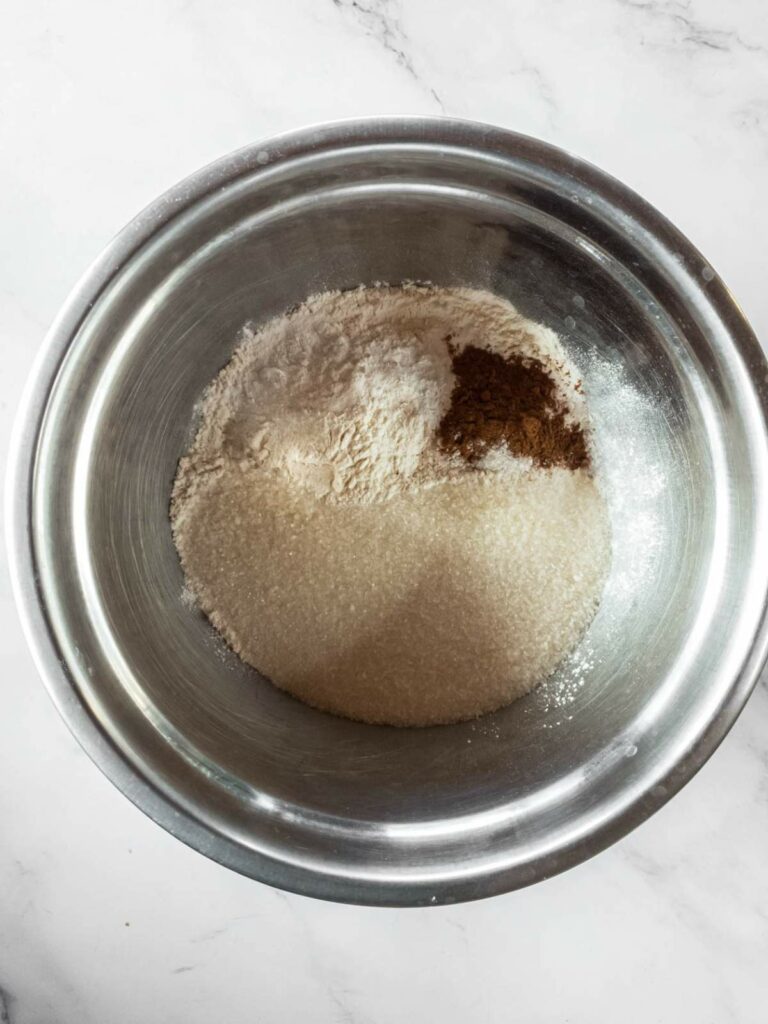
343	555
343	396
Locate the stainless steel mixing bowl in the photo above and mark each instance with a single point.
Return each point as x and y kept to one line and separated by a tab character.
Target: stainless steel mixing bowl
243	772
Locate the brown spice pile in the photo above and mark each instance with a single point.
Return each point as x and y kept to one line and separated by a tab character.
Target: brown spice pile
512	402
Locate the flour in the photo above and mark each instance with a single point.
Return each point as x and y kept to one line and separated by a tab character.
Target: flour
343	397
341	553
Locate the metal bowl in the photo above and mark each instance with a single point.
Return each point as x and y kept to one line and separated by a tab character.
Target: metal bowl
240	770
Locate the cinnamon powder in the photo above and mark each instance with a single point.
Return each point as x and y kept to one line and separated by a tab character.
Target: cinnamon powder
509	401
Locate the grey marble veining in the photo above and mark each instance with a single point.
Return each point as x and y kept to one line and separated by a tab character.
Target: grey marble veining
6	1006
381	20
680	27
103	916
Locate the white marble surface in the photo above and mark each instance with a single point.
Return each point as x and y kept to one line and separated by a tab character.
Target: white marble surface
103	916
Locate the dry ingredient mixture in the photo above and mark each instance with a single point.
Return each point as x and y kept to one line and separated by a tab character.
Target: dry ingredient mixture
389	509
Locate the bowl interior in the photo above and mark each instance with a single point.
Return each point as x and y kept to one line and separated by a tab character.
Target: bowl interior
360	807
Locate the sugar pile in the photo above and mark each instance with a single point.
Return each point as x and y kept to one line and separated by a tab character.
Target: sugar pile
349	559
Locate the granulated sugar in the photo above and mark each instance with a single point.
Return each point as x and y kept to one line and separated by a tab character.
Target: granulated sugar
349	559
632	483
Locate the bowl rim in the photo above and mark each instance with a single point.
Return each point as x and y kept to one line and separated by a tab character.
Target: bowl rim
30	600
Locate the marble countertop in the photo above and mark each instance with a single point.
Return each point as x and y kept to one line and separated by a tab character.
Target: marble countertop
103	916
